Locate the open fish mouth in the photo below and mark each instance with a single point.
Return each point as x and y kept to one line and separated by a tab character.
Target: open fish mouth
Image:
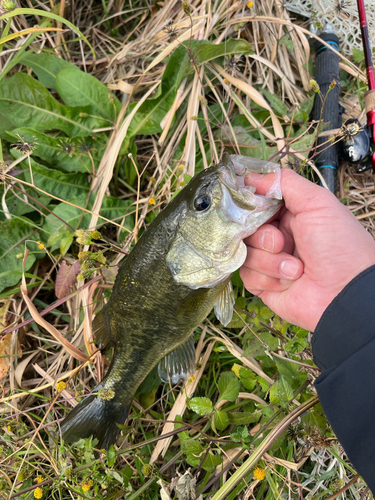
240	203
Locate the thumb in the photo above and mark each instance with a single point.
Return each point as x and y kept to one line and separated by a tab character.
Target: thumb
299	194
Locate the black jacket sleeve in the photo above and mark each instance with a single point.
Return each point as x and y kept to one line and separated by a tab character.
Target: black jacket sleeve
344	349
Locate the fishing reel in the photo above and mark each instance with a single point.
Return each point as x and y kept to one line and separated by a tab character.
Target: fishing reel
354	145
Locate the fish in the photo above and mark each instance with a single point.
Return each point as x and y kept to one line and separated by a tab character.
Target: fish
178	271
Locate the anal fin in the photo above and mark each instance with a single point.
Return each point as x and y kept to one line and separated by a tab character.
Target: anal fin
179	363
224	305
102	331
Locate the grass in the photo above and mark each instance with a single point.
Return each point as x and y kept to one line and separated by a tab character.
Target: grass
248	424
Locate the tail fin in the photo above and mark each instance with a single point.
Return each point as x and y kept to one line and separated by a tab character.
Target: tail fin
95	417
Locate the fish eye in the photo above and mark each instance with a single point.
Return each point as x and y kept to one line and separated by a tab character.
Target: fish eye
202	203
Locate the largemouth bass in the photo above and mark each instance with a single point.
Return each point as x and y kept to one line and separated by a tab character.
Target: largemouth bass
177	272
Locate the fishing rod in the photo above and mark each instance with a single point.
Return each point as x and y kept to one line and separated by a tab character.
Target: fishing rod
355	143
370	94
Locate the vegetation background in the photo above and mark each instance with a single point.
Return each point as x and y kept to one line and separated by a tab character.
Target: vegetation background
107	109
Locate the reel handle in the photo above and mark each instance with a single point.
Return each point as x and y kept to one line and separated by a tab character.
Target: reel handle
327	71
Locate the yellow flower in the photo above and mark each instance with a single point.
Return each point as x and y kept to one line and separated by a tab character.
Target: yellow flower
39	479
236	369
60	386
151	201
38	492
86	485
259	473
225	80
40	245
250	4
9	428
191	378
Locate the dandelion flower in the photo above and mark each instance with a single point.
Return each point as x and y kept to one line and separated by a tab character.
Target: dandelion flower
60	386
249	4
86	485
39	479
259	473
38	492
151	201
40	245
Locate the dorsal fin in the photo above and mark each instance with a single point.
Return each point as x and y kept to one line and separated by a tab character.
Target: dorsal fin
102	331
179	363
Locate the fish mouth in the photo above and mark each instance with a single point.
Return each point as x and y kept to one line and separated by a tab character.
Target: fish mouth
240	202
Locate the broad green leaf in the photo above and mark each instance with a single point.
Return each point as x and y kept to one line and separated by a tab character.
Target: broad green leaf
77	88
291	372
111	456
46	67
221	420
55	183
358	55
304	110
193	450
274	393
296	345
112	208
263	383
284	390
256	348
151	113
229	386
248	378
151	382
278	106
202	406
243	418
70	155
24	102
211	462
316	419
14	233
65	243
184	435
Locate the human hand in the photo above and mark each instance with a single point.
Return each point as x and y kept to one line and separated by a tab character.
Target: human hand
300	261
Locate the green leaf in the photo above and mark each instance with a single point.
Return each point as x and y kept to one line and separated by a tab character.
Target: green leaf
263	383
112	208
24	102
70	155
248	378
151	113
243	418
46	67
256	348
65	243
291	372
77	88
358	55
304	110
284	390
221	420
14	233
316	419
211	462
184	435
274	394
202	406
193	450
229	386
111	456
55	183
278	106
50	15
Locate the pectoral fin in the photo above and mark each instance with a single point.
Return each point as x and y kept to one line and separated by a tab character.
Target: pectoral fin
179	363
224	305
